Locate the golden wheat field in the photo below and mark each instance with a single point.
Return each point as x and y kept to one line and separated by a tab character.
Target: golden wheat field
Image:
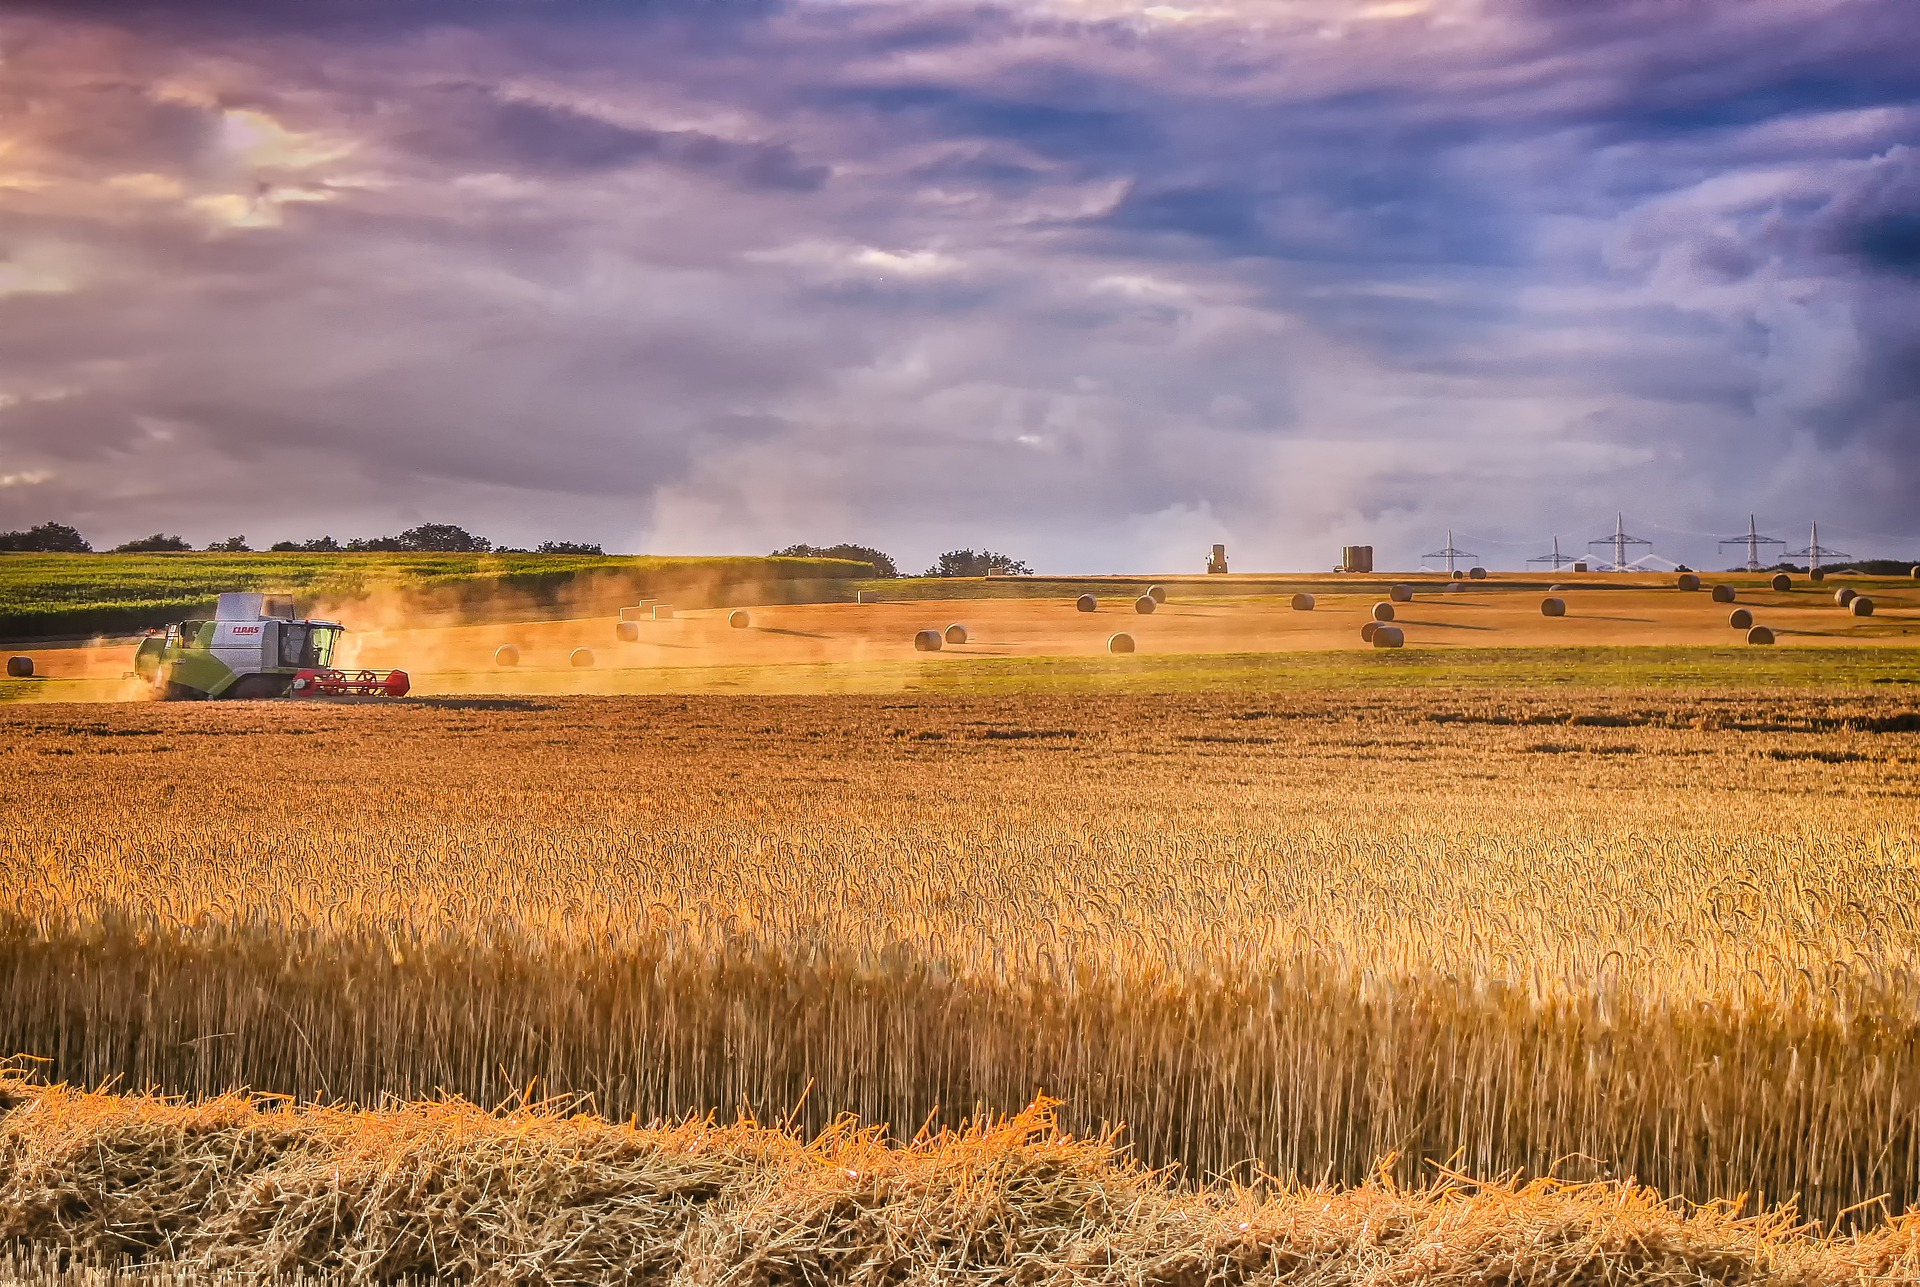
1284	938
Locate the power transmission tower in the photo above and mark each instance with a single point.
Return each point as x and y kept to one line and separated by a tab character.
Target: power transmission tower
1556	558
1620	541
1816	551
1753	541
1449	554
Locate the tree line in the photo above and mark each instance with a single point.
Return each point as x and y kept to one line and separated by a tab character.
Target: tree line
436	538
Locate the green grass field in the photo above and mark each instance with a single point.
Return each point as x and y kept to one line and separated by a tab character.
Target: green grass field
63	595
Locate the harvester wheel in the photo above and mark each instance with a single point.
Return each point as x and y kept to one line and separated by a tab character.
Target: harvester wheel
172	692
255	687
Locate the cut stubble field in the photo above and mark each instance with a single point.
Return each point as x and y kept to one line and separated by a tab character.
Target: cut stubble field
1343	937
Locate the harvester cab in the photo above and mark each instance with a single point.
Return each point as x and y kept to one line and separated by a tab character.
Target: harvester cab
256	647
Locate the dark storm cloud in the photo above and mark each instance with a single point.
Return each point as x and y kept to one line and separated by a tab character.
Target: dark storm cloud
730	273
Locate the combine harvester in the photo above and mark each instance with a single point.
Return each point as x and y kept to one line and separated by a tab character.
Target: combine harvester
254	647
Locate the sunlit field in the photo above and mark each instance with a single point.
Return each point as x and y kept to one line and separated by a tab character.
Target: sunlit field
1602	935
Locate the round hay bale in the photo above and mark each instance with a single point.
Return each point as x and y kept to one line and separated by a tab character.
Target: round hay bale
1476	574
1723	594
1367	631
927	641
1687	581
1555	589
1389	637
506	655
1158	593
1145	604
1401	594
1456	587
1553	607
1383	612
956	633
739	619
1086	603
1845	594
1916	572
1120	643
629	631
1782	582
20	667
1861	606
1458	575
1818	574
1302	603
581	657
1759	635
1739	618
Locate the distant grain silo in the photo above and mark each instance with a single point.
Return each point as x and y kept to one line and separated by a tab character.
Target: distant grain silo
1759	635
1389	637
1401	594
1723	594
506	655
580	657
20	667
1302	603
1687	581
1740	618
1217	560
739	619
1120	643
955	633
1861	606
1158	593
1145	604
1782	582
1845	594
1580	567
1476	574
629	631
1553	607
1356	558
927	641
1087	603
1383	612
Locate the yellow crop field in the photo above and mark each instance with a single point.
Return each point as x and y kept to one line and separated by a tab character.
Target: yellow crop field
1321	938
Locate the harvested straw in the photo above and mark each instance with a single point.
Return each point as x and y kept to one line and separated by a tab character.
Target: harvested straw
1739	618
1723	594
1302	602
506	655
1845	594
956	633
1389	637
1687	581
1145	604
1086	603
1553	607
1401	594
581	657
1120	643
1782	582
1383	612
1861	606
927	641
1759	635
20	667
738	619
628	631
1159	593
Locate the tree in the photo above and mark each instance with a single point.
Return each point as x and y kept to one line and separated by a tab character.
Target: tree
155	544
232	545
318	545
566	547
48	538
977	563
882	565
435	538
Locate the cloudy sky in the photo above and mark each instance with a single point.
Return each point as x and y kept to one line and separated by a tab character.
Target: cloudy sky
1095	283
